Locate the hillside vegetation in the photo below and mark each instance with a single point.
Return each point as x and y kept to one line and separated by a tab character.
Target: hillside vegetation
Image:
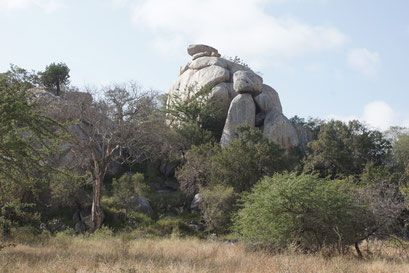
100	180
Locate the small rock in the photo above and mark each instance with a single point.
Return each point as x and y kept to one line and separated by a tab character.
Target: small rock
199	48
247	82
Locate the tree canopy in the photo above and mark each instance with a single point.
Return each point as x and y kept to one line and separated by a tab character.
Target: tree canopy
55	75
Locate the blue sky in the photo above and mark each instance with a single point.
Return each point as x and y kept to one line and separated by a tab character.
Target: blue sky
326	58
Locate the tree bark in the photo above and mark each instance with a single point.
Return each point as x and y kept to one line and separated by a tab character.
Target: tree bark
98	175
97	215
358	251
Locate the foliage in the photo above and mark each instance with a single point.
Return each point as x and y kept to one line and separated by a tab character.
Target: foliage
401	157
195	172
249	157
169	226
217	207
198	117
345	149
119	127
27	138
312	125
129	185
19	78
373	174
55	75
305	210
29	235
68	190
238	60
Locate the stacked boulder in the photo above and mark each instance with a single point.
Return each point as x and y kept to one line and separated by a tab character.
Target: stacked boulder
241	91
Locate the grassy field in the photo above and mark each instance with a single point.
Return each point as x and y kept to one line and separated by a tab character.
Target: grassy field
121	254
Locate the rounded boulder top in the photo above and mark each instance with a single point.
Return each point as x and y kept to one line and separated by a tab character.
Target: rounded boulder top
199	48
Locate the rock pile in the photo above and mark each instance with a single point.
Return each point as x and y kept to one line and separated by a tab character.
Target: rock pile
242	92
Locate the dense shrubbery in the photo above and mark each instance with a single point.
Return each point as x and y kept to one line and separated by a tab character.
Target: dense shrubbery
218	205
304	210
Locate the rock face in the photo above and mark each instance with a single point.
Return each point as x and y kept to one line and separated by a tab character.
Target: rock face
278	128
242	111
241	92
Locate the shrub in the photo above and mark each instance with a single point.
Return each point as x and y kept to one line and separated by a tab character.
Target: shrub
195	172
102	233
305	210
167	226
127	186
29	235
248	158
217	206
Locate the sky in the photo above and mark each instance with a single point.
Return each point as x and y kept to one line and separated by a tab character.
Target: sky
341	59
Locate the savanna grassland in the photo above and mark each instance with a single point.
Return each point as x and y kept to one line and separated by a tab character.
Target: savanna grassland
122	254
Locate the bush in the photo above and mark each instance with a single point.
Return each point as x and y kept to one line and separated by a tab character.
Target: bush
102	233
127	186
195	172
305	210
29	235
217	206
248	158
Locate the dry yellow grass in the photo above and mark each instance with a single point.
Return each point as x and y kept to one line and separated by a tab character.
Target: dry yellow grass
113	254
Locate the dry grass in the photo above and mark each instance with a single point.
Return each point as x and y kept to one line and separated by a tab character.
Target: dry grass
113	254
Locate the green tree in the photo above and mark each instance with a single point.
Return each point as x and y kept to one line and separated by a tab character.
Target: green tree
305	210
55	75
248	158
345	149
27	138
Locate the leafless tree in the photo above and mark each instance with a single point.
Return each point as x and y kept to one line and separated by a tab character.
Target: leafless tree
121	126
384	205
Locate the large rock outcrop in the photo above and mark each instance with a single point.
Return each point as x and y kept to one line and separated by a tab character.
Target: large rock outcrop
242	92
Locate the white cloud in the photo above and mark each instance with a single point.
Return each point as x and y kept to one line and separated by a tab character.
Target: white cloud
235	27
16	5
378	115
365	61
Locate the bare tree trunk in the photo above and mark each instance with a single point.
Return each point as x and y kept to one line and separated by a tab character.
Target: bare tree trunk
97	215
98	175
358	251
